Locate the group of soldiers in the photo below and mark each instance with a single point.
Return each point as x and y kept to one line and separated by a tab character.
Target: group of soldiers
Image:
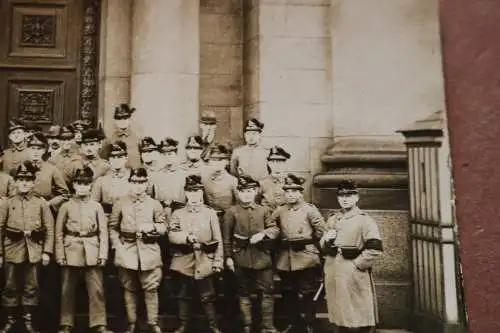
86	201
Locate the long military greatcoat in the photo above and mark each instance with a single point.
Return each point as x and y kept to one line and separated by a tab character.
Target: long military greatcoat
348	283
128	214
84	216
26	213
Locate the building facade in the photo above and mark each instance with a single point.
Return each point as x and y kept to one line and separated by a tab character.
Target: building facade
332	80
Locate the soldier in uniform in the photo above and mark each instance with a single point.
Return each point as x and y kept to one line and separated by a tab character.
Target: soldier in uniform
7	184
136	225
123	132
27	235
89	149
273	194
52	136
150	155
81	248
251	159
194	165
68	152
17	153
301	227
196	243
247	231
208	126
352	244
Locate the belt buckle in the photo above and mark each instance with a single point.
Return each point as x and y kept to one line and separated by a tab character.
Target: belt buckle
339	251
138	235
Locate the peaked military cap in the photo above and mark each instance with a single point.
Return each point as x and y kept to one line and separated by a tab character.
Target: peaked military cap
193	183
53	132
208	117
245	182
83	175
118	149
346	187
16	124
67	133
37	139
138	175
168	144
277	153
221	152
92	135
293	182
123	111
147	144
253	125
26	170
195	141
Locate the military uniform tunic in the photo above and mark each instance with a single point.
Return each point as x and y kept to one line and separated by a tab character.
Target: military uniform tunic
220	190
131	139
63	161
201	221
7	185
167	185
200	168
250	161
14	156
348	283
109	188
272	191
50	184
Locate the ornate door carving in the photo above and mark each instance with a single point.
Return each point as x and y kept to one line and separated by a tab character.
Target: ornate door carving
48	61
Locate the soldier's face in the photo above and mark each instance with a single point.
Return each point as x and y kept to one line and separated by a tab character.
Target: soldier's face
122	123
117	162
67	144
247	195
218	164
348	201
17	136
170	157
252	137
90	148
82	189
194	197
36	153
24	185
193	154
292	196
138	188
150	156
277	166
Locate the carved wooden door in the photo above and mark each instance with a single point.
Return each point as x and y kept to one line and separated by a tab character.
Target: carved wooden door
47	61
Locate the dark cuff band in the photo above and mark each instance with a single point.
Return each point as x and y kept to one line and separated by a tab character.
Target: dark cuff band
373	244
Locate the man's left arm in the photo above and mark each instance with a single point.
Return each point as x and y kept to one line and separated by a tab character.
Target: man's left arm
372	247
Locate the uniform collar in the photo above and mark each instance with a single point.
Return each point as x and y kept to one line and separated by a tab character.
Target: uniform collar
297	206
122	132
250	206
353	212
194	164
26	196
139	198
170	168
277	178
193	208
82	199
119	173
20	146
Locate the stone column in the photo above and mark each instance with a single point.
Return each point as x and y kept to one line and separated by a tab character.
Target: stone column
287	77
114	60
165	67
386	73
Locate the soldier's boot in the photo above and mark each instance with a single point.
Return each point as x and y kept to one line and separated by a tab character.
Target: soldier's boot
28	321
151	300
65	329
290	301
308	313
246	313
131	309
10	321
209	308
183	305
267	310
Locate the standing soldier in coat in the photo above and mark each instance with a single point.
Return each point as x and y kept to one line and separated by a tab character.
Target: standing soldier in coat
27	234
273	194
81	248
301	227
109	188
123	131
136	225
208	126
7	183
352	244
68	152
247	234
194	165
196	242
17	153
251	159
52	136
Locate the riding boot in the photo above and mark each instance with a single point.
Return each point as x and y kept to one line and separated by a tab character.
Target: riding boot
209	308
151	300
10	321
267	310
131	309
246	312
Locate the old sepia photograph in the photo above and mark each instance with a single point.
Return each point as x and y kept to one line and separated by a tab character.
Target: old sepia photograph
272	166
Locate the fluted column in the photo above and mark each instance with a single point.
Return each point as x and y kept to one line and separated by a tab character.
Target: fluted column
165	66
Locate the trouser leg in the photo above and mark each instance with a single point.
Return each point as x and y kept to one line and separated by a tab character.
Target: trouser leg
265	285
97	302
207	295
69	279
184	301
128	280
30	294
11	292
243	279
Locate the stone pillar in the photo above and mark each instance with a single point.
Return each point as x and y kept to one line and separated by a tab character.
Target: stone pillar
114	59
386	73
287	77
165	67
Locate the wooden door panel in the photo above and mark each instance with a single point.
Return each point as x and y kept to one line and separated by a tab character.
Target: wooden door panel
40	34
38	97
